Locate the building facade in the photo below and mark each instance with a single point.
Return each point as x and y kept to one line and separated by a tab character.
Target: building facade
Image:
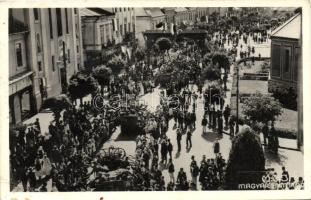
124	22
49	52
147	19
286	67
97	33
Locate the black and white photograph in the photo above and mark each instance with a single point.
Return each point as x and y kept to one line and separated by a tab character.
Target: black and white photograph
155	99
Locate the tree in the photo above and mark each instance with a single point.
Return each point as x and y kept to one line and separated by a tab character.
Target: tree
116	64
102	75
211	73
261	108
222	59
80	85
246	161
57	104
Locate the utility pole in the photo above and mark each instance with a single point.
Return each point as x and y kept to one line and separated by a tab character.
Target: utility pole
237	100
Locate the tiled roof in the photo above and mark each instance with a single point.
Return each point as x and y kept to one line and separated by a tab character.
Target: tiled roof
16	26
290	29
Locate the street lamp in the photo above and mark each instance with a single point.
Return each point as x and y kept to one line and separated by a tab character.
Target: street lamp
237	100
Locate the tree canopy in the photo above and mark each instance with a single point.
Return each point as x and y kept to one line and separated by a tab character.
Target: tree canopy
102	74
116	64
81	84
246	161
261	108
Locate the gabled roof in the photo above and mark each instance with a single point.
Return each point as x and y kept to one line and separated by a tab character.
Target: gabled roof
290	29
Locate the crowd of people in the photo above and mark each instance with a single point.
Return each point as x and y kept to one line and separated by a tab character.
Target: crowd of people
68	154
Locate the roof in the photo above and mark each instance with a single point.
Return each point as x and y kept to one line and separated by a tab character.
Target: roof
90	12
16	26
148	12
141	12
155	12
84	12
290	29
180	9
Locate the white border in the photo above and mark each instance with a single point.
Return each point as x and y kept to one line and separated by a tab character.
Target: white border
5	193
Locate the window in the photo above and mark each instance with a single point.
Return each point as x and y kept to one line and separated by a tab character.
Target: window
75	11
39	66
51	23
53	63
121	29
276	58
286	63
36	14
19	54
120	9
59	22
68	58
66	16
296	66
38	43
77	48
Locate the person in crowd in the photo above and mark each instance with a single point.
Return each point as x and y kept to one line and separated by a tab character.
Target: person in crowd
226	114
179	137
169	148
188	139
171	170
204	123
194	170
216	147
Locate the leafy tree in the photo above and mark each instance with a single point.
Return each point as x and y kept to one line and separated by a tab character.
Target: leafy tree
57	104
246	161
80	85
222	59
116	64
211	73
102	75
261	108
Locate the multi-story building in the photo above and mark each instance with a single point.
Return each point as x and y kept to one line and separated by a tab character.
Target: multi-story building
97	33
147	19
181	15
124	22
45	51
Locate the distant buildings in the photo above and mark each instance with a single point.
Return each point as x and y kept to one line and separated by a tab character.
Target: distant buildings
45	50
148	19
103	29
286	67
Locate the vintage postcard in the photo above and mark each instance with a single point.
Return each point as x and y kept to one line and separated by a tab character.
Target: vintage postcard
198	99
